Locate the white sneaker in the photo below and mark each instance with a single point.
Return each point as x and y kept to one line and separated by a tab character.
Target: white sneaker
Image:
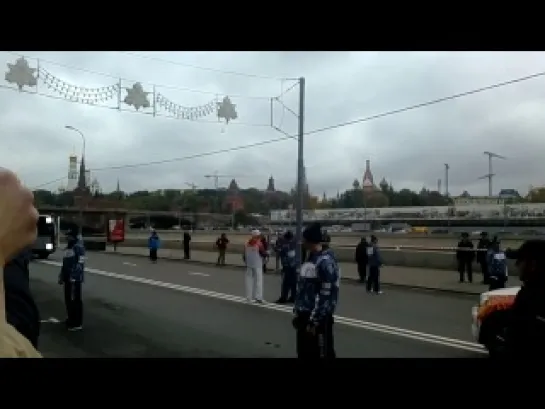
73	329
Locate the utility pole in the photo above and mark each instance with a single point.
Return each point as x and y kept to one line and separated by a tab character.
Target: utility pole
490	173
447	168
300	172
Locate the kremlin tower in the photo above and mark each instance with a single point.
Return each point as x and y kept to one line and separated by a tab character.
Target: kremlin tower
368	184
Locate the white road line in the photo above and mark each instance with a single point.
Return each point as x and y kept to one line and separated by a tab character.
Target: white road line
130	264
351	322
196	273
50	320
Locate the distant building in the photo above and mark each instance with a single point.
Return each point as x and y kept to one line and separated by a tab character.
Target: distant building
72	173
234	201
505	195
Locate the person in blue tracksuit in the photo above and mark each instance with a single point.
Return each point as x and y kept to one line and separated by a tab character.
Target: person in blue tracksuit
286	251
316	298
497	267
374	261
72	277
153	245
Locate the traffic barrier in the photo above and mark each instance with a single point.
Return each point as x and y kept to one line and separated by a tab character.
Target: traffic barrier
442	258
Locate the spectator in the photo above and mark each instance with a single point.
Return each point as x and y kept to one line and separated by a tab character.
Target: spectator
221	245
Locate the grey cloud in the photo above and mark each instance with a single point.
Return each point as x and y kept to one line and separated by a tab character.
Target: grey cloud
408	149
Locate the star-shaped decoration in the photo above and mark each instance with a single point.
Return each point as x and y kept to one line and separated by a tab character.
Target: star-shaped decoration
227	110
137	97
21	74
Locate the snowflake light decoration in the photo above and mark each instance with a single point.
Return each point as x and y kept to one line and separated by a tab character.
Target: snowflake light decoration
21	74
227	110
137	97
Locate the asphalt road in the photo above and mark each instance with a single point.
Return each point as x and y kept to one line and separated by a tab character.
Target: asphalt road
137	309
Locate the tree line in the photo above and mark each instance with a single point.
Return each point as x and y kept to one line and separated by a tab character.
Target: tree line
261	202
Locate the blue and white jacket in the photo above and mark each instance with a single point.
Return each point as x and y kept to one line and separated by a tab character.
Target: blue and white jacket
318	287
73	263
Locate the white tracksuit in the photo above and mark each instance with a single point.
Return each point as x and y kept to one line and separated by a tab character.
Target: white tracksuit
254	272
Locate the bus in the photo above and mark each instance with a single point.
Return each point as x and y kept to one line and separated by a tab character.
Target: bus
46	242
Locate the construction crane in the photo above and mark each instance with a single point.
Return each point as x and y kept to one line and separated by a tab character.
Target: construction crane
193	186
216	177
490	173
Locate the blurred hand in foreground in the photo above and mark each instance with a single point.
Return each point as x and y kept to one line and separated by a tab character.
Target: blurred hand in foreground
18	216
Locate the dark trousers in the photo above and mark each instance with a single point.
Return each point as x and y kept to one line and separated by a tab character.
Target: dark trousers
484	271
153	254
317	345
495	283
187	255
289	283
221	257
465	266
373	280
73	303
362	271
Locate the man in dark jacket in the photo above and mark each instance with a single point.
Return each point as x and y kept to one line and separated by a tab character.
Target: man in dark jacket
326	240
361	259
289	268
465	255
482	250
525	332
72	277
316	299
186	241
21	310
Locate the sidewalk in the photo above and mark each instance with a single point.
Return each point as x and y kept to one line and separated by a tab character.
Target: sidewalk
439	280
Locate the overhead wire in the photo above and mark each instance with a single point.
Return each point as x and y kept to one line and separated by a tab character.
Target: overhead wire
186	65
315	131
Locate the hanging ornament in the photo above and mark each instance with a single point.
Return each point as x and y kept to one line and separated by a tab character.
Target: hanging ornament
21	74
226	110
137	97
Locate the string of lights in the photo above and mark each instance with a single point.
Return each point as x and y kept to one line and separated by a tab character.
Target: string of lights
124	79
290	137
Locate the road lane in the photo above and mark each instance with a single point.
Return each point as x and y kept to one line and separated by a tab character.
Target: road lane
128	319
428	312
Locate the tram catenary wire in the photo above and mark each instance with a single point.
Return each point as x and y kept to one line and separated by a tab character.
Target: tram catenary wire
318	130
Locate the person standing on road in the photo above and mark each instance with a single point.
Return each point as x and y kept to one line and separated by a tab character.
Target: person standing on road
277	248
18	221
361	259
525	331
482	256
186	241
374	259
153	245
254	253
221	245
465	255
326	239
265	244
289	269
497	266
71	277
316	299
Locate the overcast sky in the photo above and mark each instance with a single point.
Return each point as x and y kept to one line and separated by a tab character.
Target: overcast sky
409	149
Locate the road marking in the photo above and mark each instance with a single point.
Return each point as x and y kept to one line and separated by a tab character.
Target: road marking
196	273
371	326
50	320
130	264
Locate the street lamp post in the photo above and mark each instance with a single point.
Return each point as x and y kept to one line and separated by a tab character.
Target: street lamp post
71	128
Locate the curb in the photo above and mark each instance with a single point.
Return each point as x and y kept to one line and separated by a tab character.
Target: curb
348	279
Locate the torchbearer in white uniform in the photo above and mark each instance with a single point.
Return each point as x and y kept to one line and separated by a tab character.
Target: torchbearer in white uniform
254	254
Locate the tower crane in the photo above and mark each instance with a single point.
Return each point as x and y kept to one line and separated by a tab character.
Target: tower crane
490	174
